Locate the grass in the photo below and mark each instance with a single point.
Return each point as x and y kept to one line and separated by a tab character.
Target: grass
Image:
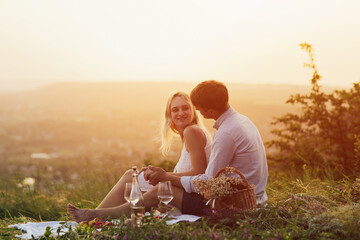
306	208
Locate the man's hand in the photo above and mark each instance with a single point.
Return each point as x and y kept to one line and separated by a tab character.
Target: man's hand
147	172
155	175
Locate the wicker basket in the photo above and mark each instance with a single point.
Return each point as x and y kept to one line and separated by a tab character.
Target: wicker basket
243	199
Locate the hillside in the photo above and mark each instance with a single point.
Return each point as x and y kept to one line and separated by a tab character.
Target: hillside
120	114
70	143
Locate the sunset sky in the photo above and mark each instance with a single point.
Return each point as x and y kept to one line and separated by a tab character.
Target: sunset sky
241	41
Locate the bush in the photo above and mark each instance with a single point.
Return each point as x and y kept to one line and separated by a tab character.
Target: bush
324	134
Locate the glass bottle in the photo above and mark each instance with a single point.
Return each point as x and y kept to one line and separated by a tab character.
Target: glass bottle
136	197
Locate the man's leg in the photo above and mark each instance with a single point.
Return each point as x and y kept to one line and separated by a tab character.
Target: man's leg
150	199
178	197
194	203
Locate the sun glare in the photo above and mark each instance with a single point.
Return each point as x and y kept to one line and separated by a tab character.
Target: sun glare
239	41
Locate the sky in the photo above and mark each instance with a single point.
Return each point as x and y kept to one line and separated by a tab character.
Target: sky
245	41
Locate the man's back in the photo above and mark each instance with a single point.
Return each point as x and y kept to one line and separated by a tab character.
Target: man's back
245	149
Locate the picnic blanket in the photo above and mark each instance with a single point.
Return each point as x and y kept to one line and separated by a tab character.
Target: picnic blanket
37	229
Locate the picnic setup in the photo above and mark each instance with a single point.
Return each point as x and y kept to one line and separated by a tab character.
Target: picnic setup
228	190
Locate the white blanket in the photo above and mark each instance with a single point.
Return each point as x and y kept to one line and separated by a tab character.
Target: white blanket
38	228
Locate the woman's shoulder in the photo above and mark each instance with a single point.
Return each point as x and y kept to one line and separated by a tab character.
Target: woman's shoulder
194	131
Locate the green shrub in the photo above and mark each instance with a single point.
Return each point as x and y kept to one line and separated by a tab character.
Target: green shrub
323	135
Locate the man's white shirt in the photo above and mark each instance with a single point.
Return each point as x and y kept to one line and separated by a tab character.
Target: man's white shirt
237	143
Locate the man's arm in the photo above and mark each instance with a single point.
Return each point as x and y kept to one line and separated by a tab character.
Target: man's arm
222	153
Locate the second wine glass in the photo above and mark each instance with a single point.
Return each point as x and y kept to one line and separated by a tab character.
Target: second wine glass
165	193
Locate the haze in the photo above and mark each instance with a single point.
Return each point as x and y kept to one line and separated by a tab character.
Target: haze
44	42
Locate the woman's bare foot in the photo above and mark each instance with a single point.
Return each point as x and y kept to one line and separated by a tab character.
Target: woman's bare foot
80	215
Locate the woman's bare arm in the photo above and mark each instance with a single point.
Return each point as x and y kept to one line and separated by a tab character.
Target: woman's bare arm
195	141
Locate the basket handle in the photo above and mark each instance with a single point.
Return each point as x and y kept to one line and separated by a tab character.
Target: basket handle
234	170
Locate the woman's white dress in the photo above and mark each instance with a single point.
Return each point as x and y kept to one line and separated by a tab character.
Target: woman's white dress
183	165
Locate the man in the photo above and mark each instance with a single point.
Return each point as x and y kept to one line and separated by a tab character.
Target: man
237	143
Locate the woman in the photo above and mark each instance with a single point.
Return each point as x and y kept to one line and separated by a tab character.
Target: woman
180	118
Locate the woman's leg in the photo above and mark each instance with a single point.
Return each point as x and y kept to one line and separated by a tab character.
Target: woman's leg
116	195
150	199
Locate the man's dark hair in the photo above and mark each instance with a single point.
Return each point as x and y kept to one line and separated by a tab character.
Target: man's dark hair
210	94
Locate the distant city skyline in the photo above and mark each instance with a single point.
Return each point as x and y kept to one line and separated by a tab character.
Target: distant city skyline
257	42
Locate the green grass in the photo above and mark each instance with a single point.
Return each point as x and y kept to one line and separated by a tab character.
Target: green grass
306	208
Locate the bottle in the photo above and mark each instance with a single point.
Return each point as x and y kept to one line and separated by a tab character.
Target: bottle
136	197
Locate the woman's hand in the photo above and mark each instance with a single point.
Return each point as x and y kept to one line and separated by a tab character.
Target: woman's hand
155	175
142	170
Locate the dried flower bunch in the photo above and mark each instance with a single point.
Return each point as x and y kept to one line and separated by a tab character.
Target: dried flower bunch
228	182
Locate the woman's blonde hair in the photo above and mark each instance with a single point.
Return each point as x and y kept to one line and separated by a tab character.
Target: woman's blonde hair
168	128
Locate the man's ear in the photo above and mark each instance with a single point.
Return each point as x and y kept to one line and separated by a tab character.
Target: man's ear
211	112
214	113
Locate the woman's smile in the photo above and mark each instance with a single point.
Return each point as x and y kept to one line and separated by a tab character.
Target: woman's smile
180	112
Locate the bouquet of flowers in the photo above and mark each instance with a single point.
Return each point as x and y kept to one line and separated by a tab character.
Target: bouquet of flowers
228	189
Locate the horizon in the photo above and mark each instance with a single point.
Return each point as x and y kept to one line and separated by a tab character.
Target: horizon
33	87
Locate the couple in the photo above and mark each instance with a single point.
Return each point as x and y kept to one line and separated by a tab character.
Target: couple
237	143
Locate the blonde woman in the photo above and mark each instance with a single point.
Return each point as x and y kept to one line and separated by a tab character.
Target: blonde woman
182	119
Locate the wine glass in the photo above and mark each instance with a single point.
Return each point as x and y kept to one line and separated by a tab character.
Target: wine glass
165	194
127	192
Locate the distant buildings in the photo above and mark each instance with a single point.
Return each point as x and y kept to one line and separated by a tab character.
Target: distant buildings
44	155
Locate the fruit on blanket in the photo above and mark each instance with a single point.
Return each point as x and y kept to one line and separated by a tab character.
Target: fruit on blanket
83	223
96	222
